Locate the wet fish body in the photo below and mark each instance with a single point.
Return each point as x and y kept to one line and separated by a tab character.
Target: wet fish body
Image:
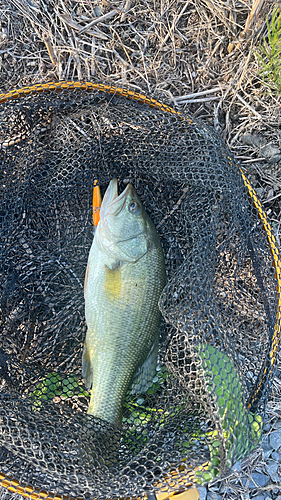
124	279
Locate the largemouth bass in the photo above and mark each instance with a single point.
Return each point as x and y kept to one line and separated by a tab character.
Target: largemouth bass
124	279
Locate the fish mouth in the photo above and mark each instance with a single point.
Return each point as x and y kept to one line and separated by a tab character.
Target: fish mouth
113	203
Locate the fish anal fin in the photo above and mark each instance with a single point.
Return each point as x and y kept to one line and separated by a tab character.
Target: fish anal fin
87	370
143	377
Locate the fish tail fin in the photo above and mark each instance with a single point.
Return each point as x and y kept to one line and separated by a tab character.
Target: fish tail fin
143	377
87	370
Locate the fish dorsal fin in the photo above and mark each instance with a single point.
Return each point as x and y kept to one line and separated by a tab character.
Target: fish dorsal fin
143	377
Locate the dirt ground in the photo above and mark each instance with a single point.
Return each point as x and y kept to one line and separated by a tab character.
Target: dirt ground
199	56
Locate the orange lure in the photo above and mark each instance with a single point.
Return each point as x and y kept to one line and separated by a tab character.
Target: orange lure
96	203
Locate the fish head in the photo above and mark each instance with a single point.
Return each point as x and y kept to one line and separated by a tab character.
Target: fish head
123	230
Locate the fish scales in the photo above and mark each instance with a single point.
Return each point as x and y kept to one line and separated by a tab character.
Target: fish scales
124	279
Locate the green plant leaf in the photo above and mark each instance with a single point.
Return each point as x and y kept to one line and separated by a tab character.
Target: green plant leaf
269	53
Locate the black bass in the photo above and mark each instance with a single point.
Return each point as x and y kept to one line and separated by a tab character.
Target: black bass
124	280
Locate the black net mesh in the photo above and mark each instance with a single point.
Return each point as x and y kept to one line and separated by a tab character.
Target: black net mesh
220	328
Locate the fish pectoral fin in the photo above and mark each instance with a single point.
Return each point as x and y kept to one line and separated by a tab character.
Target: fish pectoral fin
143	377
87	371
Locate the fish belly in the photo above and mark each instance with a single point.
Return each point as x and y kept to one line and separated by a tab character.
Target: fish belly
123	319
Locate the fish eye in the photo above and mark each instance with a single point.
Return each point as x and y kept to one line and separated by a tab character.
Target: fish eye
134	207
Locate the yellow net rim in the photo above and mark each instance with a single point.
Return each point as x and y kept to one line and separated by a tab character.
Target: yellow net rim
189	479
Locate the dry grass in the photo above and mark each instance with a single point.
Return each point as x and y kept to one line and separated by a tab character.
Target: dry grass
198	55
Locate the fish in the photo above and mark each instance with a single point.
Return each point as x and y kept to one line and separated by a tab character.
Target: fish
124	279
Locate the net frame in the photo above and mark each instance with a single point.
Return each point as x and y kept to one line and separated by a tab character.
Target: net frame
189	479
